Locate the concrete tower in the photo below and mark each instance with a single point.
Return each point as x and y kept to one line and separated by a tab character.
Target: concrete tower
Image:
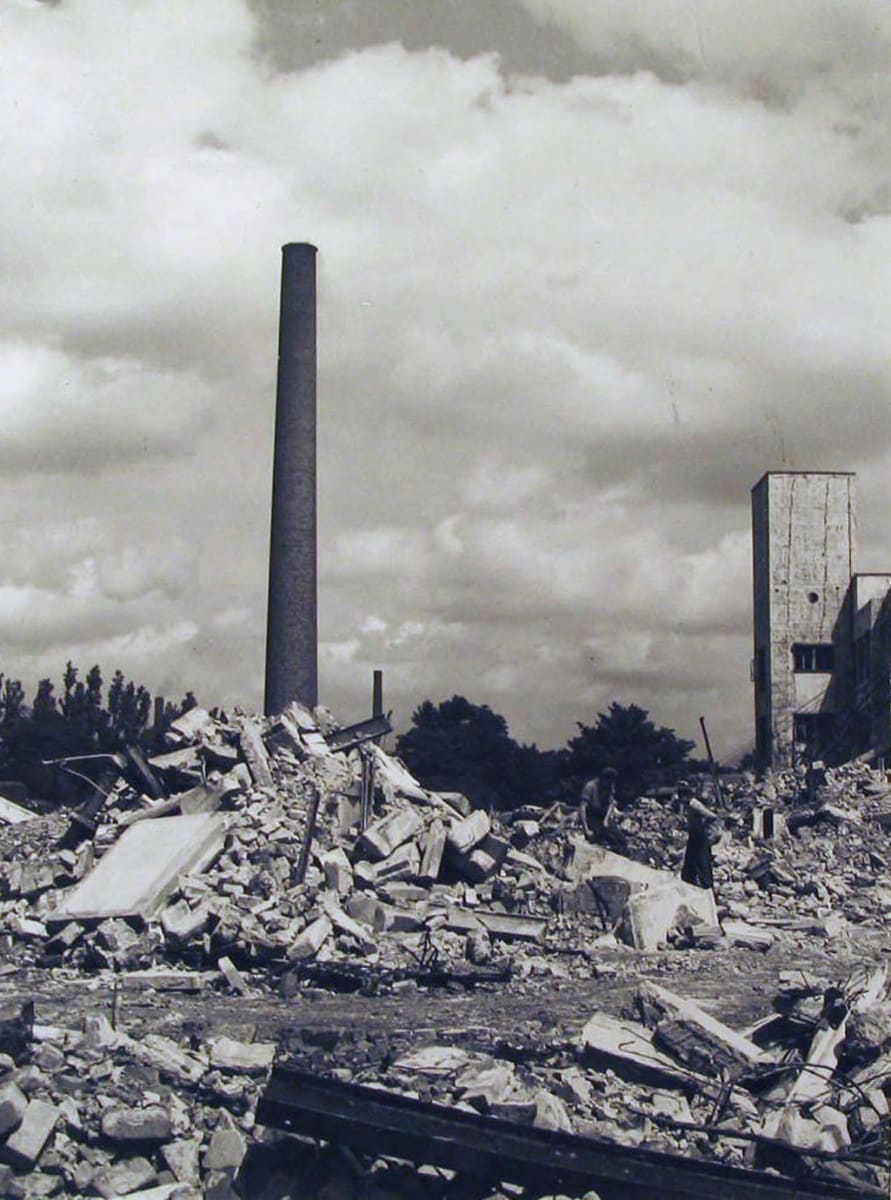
803	533
292	620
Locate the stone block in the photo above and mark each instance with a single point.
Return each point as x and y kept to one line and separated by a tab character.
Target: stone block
381	839
338	871
181	923
182	1158
466	834
484	860
247	1058
25	1145
150	1124
366	909
311	939
227	1147
13	1103
432	848
402	864
124	1177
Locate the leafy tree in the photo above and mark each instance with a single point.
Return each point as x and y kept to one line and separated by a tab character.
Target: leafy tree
128	710
625	738
95	716
77	723
44	702
13	700
463	747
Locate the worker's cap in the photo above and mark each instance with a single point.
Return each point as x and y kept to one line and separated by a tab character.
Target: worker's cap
608	773
683	788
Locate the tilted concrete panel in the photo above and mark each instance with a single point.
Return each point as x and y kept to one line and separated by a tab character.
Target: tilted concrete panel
138	873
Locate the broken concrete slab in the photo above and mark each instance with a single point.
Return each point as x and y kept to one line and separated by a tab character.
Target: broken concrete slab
13	1103
483	861
151	1124
13	814
432	849
434	1060
466	834
227	1147
483	1087
344	923
383	837
248	1058
311	939
589	861
123	1178
711	1045
338	870
189	726
25	1144
627	1048
140	871
509	926
652	913
550	1112
182	1158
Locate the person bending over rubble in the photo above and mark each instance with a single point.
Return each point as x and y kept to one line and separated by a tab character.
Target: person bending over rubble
703	830
599	810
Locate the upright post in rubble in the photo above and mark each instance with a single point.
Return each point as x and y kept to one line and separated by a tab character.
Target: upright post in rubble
712	764
292	622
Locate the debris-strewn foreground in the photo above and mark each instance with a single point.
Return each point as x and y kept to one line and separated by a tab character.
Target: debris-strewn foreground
262	868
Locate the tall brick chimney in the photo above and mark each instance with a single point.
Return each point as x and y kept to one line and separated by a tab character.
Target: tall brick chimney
292	619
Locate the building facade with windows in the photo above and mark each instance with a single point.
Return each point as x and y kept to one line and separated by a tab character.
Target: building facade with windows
822	634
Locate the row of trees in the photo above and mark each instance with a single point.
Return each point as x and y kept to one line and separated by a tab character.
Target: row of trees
451	746
464	747
78	719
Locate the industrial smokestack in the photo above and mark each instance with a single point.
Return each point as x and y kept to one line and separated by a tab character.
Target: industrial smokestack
292	623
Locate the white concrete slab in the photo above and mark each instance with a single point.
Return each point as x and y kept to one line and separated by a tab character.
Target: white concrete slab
13	814
137	874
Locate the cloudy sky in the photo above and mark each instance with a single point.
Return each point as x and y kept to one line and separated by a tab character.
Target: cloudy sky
587	269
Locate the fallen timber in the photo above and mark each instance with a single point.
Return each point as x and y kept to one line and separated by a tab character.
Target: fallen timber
379	1122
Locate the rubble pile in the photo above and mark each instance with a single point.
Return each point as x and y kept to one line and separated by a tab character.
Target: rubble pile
805	1088
273	889
308	853
92	1111
274	857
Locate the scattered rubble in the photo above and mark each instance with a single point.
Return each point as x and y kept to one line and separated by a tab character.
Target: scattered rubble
271	857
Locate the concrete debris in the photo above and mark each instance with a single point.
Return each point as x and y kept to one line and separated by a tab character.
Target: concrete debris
211	887
143	867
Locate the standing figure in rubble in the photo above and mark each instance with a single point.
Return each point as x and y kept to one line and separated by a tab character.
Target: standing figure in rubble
703	830
598	809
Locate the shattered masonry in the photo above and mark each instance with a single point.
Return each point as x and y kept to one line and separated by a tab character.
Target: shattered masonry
186	985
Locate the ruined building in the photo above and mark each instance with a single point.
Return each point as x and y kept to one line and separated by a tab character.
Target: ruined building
822	633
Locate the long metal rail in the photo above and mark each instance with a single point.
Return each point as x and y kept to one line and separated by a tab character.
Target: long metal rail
382	1122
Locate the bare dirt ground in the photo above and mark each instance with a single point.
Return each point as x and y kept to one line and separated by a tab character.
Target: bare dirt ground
736	985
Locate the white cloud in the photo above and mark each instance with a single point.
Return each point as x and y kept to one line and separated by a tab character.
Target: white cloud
563	329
